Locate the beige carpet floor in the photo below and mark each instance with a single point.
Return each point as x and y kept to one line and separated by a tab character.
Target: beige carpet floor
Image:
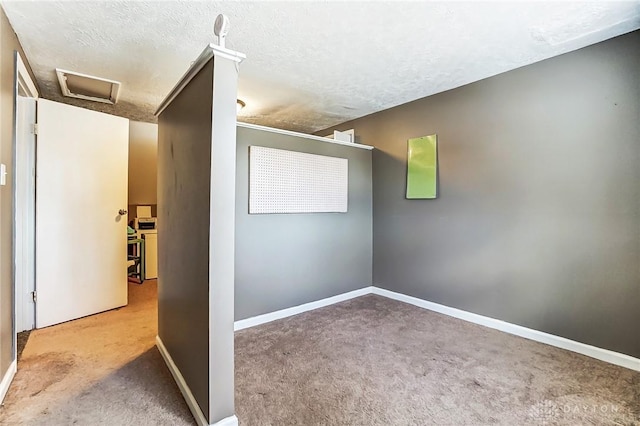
368	361
376	361
100	370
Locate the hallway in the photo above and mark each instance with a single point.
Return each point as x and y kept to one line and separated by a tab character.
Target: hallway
102	369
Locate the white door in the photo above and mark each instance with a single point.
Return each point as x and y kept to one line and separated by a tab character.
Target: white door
81	191
24	219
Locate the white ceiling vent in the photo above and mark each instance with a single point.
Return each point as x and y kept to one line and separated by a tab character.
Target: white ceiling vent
88	87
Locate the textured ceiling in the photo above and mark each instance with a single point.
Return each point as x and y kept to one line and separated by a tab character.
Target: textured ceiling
310	65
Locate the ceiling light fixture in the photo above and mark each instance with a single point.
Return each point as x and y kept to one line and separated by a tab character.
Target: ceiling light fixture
239	105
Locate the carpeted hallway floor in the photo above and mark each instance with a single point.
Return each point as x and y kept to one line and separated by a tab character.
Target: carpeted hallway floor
368	361
99	370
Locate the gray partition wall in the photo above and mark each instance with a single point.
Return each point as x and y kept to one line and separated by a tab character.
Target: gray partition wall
196	203
537	221
284	260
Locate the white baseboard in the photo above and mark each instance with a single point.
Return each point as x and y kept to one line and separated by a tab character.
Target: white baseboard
272	316
227	421
528	333
7	379
186	392
517	330
605	355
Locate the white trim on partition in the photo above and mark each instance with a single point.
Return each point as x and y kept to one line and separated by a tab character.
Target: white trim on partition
209	52
7	379
182	385
303	135
186	392
528	333
227	421
272	316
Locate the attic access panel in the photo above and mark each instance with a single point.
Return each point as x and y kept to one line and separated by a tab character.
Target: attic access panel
88	87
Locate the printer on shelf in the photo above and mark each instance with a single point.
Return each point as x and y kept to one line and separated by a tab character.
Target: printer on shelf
146	223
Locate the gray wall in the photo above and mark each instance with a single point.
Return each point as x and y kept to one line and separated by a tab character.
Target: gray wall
538	217
285	260
184	172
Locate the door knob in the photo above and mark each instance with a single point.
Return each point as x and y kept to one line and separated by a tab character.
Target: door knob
122	212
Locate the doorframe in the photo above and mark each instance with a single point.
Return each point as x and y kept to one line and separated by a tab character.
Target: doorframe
24	83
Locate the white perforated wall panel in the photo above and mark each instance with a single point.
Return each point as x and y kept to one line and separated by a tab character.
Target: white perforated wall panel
296	182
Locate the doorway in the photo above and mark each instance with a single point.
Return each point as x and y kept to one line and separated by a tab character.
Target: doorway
24	197
69	241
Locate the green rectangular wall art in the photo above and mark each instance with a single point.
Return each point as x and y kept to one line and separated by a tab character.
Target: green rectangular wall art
422	167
